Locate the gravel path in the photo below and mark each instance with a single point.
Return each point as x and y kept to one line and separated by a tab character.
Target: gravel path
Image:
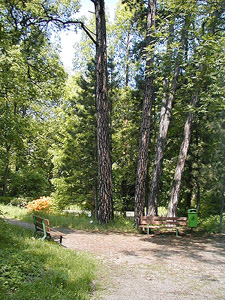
162	267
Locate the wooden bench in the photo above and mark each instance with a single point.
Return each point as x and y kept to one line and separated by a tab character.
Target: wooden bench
149	222
43	226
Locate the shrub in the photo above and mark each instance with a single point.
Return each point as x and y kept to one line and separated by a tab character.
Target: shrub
211	224
41	204
21	201
5	200
29	182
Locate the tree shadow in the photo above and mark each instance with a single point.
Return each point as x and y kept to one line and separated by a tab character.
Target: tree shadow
206	249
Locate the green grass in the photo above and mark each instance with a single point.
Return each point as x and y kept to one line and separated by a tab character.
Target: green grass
69	220
82	222
31	269
15	212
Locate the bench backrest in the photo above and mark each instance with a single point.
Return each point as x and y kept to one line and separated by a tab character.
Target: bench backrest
41	224
155	220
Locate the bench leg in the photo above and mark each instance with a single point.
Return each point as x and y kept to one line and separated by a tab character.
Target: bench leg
177	232
44	236
35	231
60	239
44	231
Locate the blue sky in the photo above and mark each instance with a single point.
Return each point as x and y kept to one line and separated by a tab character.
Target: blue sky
69	38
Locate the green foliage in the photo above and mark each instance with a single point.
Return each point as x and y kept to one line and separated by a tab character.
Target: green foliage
5	200
210	224
32	269
125	135
31	84
29	182
74	150
48	130
21	202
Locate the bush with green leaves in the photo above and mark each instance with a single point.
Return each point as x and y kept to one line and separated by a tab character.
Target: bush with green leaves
21	201
5	200
29	183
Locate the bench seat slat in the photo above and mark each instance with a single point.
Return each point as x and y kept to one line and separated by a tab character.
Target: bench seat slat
158	226
154	222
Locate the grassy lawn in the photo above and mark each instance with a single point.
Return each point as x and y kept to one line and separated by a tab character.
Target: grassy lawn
32	269
69	220
83	222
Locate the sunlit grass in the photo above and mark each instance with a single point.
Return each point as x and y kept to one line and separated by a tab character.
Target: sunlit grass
70	220
15	212
31	269
83	222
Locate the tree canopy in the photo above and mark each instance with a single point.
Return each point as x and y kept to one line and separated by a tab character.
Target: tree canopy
55	129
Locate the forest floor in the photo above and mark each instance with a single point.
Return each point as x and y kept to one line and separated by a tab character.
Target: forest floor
159	266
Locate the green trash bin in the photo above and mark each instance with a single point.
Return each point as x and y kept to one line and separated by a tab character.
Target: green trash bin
192	218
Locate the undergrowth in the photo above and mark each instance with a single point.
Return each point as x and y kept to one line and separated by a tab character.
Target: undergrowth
83	222
31	269
70	220
211	224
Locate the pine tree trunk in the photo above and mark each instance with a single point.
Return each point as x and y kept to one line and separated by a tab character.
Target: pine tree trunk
166	112
127	59
103	142
172	207
140	188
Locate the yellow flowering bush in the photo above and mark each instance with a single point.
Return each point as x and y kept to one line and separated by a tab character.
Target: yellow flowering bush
41	204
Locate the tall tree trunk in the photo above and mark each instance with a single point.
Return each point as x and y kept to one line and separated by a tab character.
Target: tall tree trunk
172	207
127	60
102	105
142	166
166	112
96	200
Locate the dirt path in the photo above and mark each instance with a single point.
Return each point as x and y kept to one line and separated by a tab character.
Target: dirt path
162	267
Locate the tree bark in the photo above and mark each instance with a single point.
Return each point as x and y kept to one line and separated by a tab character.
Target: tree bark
172	207
142	166
127	58
166	112
96	200
102	106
